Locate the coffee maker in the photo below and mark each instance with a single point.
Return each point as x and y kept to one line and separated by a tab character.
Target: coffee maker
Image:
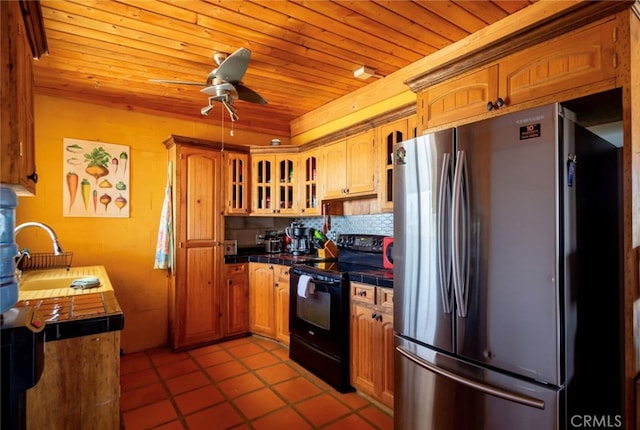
300	239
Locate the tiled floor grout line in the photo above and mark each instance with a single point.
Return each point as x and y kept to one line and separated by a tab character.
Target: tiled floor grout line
228	347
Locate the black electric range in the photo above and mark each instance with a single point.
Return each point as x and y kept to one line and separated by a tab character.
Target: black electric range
319	306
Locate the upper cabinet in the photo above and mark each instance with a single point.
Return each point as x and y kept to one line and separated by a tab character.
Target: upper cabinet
309	184
349	166
22	39
273	184
578	63
237	183
388	135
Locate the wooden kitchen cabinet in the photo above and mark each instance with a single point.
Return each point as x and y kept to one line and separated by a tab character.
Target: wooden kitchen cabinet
349	166
80	385
282	304
17	135
388	135
372	344
580	62
310	198
262	299
237	183
269	301
196	282
273	190
236	300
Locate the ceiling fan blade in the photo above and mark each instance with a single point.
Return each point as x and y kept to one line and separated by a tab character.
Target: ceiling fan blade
233	68
248	95
166	81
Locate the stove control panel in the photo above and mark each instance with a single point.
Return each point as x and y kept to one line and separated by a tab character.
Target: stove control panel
361	242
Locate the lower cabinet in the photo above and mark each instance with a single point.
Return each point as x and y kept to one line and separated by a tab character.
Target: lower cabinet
269	301
80	385
372	341
236	300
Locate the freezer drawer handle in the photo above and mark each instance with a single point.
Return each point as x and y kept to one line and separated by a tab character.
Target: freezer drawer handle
488	389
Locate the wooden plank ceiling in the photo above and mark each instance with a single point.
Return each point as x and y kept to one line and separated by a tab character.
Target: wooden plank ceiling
304	52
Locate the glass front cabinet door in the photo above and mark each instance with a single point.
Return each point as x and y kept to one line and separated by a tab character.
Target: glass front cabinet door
237	196
310	199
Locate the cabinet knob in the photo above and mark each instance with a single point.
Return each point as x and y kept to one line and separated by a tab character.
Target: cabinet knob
362	293
33	177
374	316
498	104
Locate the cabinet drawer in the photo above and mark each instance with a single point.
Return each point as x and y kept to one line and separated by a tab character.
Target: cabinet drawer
363	293
235	269
385	297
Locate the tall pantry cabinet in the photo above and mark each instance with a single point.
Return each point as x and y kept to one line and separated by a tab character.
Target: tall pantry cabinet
197	279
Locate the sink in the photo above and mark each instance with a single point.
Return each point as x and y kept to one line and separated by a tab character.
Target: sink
47	284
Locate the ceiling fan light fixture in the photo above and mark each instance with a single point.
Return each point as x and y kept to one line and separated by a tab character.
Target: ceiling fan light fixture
205	110
364	72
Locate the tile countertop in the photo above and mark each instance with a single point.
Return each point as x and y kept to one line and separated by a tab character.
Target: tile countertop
73	312
377	277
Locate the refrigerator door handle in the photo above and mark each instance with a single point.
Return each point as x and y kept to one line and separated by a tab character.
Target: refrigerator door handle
460	234
479	386
443	250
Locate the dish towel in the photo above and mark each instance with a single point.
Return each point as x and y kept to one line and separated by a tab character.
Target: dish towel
305	286
164	246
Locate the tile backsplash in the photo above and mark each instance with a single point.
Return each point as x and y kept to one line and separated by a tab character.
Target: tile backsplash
381	224
245	229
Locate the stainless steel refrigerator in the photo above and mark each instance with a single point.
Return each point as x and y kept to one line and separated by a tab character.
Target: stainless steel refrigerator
507	276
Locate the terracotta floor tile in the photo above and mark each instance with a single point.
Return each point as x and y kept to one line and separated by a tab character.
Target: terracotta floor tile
183	383
353	400
134	362
222	416
239	341
262	359
321	409
245	350
282	353
380	419
351	422
177	368
239	385
149	416
269	345
160	356
226	370
296	389
213	358
141	396
138	379
277	373
198	399
173	425
258	403
204	350
286	418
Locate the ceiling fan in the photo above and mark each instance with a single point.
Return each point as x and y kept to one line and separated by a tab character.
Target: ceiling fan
224	83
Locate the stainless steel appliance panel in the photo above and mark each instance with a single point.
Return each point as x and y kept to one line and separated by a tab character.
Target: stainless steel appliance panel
443	393
422	183
509	309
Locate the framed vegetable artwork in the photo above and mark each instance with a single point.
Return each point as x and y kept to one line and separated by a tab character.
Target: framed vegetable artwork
95	179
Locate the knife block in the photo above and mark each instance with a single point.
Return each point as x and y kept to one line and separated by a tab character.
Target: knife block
329	250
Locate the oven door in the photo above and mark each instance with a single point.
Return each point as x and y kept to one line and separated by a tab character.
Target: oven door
322	316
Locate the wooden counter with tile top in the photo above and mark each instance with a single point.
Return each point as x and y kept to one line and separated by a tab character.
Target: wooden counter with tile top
80	384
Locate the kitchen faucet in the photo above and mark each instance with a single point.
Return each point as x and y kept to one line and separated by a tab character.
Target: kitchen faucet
56	246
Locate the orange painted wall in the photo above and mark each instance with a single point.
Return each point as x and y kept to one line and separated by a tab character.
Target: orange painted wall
125	246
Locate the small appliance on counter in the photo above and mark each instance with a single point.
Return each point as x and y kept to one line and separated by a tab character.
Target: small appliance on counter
300	239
